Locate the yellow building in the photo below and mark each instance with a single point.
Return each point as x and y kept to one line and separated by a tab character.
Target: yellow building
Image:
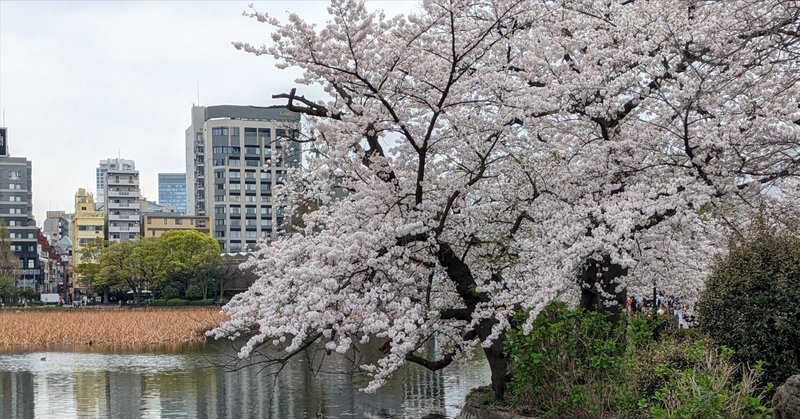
87	224
157	223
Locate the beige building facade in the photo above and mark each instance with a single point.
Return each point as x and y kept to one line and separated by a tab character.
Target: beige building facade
87	224
156	224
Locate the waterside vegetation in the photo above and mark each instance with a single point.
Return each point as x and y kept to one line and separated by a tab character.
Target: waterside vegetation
27	329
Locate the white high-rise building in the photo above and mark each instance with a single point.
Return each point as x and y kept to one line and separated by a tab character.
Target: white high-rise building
102	168
235	157
121	190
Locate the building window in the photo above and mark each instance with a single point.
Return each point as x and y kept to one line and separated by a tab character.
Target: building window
15	175
178	221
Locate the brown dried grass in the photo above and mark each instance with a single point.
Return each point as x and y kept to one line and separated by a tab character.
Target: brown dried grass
96	327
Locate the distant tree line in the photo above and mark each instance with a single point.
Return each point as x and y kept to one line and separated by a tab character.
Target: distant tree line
178	264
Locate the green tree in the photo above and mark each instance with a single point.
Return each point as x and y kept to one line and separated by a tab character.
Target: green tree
8	289
137	266
9	263
751	302
151	262
89	268
193	256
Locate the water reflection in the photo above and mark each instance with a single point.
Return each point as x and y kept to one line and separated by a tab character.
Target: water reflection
191	383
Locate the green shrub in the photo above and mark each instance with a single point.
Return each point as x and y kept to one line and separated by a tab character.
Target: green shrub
158	302
569	365
170	291
193	292
29	294
206	302
752	302
177	302
671	352
708	388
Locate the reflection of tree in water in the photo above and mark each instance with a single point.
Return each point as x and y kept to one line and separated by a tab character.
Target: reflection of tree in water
193	383
316	382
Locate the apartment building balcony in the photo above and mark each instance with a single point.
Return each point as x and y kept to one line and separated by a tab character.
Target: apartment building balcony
122	217
122	229
123	205
122	192
123	183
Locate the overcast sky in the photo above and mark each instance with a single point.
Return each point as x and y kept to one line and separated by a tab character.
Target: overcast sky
85	81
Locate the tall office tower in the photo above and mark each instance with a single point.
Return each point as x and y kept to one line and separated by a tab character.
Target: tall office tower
102	169
172	190
235	157
16	213
122	201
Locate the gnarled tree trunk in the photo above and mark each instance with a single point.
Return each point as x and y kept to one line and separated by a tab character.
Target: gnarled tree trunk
599	283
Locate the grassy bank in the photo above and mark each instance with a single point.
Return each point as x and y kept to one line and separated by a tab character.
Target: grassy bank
40	328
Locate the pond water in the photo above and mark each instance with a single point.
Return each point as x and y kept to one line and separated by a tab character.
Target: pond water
198	382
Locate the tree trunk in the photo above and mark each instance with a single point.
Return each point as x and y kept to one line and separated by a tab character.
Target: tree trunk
599	278
498	364
498	360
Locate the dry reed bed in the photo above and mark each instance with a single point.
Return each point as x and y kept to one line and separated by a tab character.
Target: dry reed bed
38	328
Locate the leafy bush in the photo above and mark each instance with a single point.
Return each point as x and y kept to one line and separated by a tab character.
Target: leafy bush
579	364
671	352
170	291
193	292
29	294
708	388
568	365
206	302
752	302
177	302
158	302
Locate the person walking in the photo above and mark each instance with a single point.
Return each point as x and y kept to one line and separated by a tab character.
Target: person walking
678	312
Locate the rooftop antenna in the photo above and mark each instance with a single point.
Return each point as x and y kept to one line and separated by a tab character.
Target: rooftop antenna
4	117
198	92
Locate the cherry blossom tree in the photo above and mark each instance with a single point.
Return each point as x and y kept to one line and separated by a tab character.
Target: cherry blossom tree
500	154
